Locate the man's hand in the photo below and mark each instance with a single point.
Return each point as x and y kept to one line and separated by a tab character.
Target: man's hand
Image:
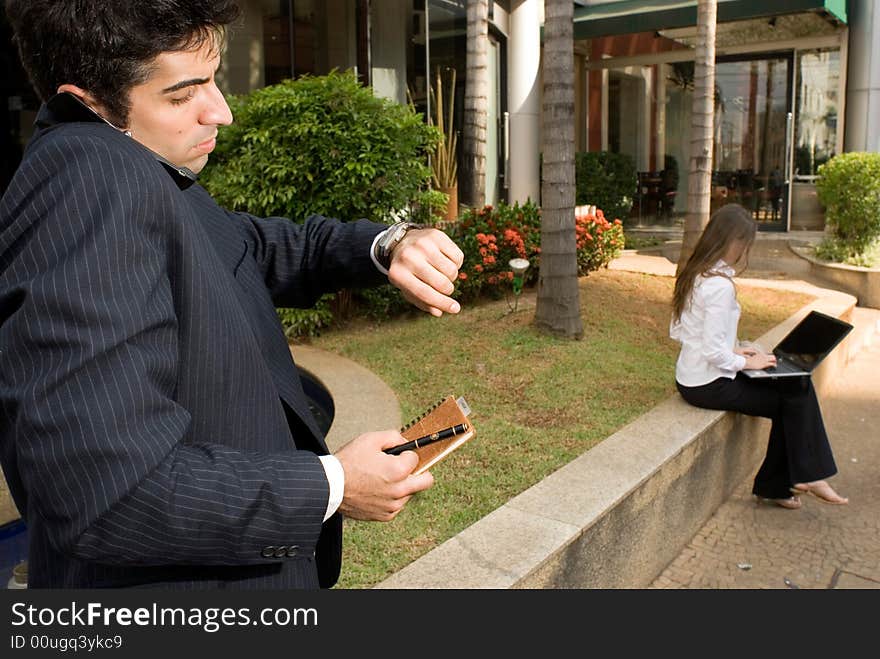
424	266
378	485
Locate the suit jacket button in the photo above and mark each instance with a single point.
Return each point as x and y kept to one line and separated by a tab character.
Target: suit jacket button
281	551
292	551
268	552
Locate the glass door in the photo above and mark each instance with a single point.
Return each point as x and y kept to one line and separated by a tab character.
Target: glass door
815	131
753	137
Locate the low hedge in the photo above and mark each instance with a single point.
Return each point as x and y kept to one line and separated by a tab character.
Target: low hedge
849	188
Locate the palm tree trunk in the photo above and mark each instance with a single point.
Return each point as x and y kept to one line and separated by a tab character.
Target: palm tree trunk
702	124
558	305
476	93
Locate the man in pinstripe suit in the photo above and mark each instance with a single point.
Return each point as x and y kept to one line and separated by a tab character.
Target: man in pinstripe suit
153	430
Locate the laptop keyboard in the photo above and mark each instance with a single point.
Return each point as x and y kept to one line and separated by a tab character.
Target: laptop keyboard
783	365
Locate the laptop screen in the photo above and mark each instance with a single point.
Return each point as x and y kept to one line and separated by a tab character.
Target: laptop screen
812	339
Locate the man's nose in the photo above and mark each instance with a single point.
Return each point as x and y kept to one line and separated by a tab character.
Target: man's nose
217	112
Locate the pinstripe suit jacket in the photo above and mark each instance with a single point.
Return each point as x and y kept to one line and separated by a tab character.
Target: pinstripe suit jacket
153	429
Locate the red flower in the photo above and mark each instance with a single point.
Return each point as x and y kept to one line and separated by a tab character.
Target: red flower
462	275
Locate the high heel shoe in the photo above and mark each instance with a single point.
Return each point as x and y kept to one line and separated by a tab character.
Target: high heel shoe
791	503
822	491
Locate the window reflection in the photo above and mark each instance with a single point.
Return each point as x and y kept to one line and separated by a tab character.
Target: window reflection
816	118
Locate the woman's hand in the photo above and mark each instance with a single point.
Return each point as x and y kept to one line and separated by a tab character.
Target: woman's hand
758	360
748	349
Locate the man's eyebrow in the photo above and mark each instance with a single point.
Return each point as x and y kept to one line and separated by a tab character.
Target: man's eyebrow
185	83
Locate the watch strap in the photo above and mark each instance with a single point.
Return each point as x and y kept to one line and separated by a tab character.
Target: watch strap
392	237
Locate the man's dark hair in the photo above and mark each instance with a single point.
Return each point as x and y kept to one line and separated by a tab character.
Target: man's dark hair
106	47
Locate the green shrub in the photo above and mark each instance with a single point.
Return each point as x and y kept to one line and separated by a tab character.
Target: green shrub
323	145
381	303
606	180
492	235
307	322
831	249
849	188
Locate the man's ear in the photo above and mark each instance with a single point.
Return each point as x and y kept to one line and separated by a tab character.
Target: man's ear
84	96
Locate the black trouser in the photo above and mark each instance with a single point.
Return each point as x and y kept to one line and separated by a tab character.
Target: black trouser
798	450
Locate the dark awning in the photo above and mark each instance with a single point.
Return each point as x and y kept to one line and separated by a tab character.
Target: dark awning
627	16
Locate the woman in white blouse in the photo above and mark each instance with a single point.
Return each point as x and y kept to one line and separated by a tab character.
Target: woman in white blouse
705	315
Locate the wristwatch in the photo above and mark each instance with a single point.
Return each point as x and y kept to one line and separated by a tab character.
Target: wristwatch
390	239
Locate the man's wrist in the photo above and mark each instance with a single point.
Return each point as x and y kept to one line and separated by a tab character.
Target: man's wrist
388	240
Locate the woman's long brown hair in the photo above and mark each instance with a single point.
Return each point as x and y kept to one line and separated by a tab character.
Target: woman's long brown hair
728	225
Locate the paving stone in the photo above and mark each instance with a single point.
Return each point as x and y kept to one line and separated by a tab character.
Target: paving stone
820	545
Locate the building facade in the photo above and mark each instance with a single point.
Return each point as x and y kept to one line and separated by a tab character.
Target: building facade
396	46
780	94
797	81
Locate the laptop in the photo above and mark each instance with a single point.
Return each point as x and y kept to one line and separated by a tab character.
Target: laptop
804	347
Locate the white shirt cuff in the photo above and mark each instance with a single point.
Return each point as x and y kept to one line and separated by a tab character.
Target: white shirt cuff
336	479
373	252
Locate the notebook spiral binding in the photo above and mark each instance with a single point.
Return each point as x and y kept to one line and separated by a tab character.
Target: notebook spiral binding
422	415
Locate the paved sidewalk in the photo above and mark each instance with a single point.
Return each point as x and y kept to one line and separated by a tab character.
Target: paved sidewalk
749	546
746	545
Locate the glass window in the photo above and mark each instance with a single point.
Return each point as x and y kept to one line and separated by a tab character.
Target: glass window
816	110
751	144
276	42
447	47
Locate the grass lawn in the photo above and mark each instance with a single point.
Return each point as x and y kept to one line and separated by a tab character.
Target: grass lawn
537	401
637	241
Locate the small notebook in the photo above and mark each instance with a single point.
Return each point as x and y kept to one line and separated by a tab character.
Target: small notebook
443	414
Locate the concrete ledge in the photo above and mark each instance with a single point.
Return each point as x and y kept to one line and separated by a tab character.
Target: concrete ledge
863	283
618	514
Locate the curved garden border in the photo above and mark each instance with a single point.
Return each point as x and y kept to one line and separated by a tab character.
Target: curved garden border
863	283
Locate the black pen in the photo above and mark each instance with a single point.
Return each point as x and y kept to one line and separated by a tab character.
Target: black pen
446	433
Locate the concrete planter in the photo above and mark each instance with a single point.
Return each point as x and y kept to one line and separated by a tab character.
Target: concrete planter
863	283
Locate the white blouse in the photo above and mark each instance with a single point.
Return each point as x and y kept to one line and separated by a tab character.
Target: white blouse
707	330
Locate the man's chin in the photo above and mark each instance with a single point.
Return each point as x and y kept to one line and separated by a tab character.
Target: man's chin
197	165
